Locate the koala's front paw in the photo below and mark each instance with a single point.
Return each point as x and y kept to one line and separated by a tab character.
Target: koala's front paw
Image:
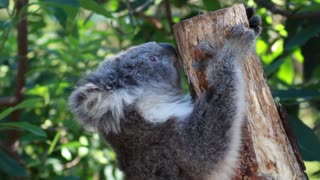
242	37
254	21
241	40
201	54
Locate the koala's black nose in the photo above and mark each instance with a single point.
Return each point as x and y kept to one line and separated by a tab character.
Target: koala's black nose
168	47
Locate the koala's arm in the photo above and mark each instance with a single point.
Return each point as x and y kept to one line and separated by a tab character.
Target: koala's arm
212	133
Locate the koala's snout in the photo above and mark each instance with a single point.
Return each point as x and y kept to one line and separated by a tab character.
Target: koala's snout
169	47
174	54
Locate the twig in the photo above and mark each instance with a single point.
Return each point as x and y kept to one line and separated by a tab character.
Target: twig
151	20
8	101
72	163
289	14
168	13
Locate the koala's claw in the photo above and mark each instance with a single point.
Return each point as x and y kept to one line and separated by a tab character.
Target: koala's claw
250	12
241	37
254	21
240	32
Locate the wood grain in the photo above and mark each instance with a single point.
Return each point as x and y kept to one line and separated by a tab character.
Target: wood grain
266	152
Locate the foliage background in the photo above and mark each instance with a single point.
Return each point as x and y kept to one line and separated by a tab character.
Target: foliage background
67	39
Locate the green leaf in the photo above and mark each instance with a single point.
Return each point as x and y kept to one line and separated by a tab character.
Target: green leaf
95	7
296	93
63	9
25	104
67	178
316	173
61	15
311	8
4	3
54	142
211	5
179	3
274	66
302	36
286	71
10	166
308	142
24	126
74	3
73	144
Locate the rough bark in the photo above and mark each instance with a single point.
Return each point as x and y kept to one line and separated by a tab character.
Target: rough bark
267	152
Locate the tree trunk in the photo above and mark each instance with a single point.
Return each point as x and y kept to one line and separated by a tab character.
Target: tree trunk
267	152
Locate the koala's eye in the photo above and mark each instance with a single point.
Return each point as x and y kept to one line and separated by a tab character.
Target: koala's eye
152	58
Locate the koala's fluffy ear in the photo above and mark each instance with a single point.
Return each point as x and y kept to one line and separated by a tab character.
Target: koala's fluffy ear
98	108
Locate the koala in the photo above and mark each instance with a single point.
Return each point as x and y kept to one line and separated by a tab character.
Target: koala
136	102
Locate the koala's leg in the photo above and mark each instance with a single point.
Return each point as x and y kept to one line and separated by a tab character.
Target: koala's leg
212	133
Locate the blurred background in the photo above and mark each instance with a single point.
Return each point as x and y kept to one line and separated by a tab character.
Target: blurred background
42	58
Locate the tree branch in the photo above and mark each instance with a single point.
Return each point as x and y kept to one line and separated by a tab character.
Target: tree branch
8	101
154	21
22	41
289	14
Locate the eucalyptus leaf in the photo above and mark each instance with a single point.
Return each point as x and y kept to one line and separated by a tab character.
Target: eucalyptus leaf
73	144
274	66
4	3
23	126
95	7
74	3
296	93
29	103
67	178
211	5
307	140
10	166
302	36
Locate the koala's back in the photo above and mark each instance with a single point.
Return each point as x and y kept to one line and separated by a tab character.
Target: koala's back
147	151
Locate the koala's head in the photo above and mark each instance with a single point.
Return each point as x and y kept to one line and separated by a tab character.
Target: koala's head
99	100
145	63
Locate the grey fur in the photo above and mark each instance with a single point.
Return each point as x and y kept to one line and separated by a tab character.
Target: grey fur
201	142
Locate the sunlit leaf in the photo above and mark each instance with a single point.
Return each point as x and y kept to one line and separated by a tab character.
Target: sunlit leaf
54	142
308	142
66	154
316	173
274	66
23	126
281	29
286	71
29	103
112	5
83	151
10	166
73	144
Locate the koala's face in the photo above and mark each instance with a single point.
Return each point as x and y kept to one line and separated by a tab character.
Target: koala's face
150	62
